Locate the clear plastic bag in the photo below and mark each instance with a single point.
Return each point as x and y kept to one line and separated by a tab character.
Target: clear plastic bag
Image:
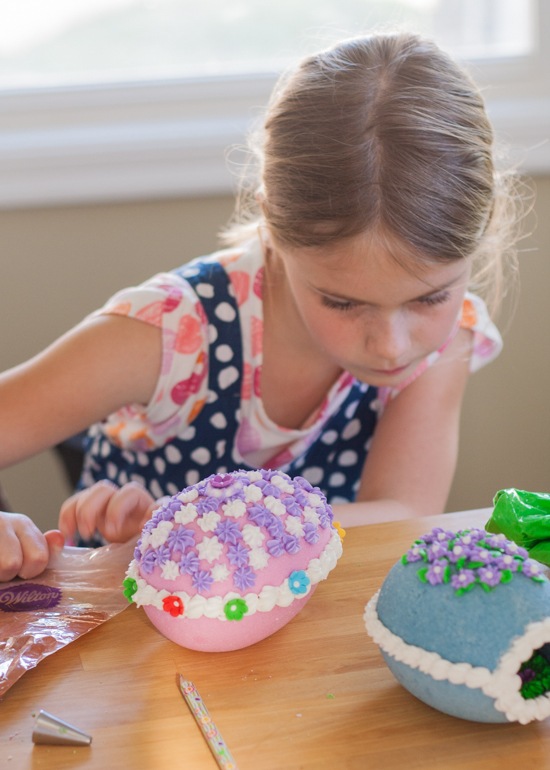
80	589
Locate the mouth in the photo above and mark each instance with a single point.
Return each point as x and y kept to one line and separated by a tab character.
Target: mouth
391	372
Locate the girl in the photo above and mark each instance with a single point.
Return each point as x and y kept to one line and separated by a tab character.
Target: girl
335	338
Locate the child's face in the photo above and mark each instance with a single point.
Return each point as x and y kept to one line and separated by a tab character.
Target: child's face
369	314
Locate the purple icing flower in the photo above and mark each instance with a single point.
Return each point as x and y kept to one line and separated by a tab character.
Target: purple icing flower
414	553
463	579
244	578
275	526
164	514
438	534
220	481
491	576
237	555
303	483
436	572
531	568
150	526
301	499
275	547
437	550
228	532
481	554
310	533
291	543
202	580
268	489
515	550
174	505
148	562
180	538
458	551
189	563
259	514
325	517
137	552
163	555
507	562
497	541
292	506
206	504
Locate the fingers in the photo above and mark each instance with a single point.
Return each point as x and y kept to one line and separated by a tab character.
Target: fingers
23	548
86	510
127	511
55	542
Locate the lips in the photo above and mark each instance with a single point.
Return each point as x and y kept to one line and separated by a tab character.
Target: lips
391	372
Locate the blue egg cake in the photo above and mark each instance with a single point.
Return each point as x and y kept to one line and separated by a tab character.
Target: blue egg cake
463	622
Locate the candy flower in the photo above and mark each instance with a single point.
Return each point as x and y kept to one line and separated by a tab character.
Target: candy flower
339	529
130	587
235	609
298	582
173	605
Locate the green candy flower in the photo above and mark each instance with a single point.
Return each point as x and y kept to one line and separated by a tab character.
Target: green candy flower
235	609
130	587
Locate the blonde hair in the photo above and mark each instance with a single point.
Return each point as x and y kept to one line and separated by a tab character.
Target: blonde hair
383	132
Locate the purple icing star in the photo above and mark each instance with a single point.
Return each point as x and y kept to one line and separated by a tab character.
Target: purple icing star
301	499
268	489
292	506
148	562
310	533
163	555
228	532
275	547
491	576
207	504
275	526
259	514
164	514
137	552
325	518
189	563
463	579
202	580
180	538
303	483
291	543
174	505
244	578
436	572
237	555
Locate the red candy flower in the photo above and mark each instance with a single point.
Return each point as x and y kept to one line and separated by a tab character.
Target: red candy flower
173	605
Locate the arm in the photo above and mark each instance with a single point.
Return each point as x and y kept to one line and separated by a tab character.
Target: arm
410	467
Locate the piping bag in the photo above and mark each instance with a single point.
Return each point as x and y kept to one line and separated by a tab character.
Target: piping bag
79	590
523	517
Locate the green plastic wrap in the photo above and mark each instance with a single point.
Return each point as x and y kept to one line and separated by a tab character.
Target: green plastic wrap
523	517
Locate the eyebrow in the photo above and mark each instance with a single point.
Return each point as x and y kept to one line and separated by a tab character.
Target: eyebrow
356	301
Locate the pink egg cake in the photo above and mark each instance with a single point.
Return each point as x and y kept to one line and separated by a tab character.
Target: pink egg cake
232	559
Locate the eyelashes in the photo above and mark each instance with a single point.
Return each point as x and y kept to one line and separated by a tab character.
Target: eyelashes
337	305
345	306
435	299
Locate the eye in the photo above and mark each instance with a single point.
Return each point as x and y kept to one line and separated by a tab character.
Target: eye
434	299
337	304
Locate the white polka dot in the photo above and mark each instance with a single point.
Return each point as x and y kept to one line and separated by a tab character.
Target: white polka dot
137	478
212	333
231	290
356	486
339	500
363	387
224	353
347	458
219	420
122	478
142	459
368	444
336	480
129	457
227	377
172	488
221	469
160	465
192	477
235	456
313	474
172	454
211	397
238	415
350	411
225	312
351	429
331	457
299	462
329	437
220	448
200	455
205	290
191	272
189	433
112	471
105	449
155	489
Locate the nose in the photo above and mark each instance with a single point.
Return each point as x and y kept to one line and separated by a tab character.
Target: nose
388	341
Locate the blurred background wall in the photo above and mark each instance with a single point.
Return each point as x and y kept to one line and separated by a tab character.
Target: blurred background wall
58	264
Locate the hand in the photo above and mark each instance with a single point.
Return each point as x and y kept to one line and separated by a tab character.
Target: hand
24	550
118	513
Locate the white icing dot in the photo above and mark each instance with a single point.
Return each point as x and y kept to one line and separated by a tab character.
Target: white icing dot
225	312
314	475
105	449
224	353
173	454
329	437
212	333
112	471
351	429
192	477
142	459
156	489
350	410
336	480
220	449
205	290
219	420
347	458
189	433
227	377
160	465
201	455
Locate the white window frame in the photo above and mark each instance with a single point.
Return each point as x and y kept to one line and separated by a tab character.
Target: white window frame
143	140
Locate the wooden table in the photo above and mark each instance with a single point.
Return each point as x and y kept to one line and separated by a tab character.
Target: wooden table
315	695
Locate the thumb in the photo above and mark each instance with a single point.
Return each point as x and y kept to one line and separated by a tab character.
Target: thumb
55	541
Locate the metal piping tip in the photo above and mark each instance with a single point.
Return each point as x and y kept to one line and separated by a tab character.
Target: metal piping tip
50	729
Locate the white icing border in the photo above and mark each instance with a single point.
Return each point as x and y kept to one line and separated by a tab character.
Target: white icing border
197	606
503	684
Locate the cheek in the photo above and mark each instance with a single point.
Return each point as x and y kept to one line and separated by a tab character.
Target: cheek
434	328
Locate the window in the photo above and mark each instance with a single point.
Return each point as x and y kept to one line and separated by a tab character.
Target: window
119	99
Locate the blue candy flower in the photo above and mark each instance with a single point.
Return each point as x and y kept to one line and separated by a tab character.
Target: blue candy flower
298	582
